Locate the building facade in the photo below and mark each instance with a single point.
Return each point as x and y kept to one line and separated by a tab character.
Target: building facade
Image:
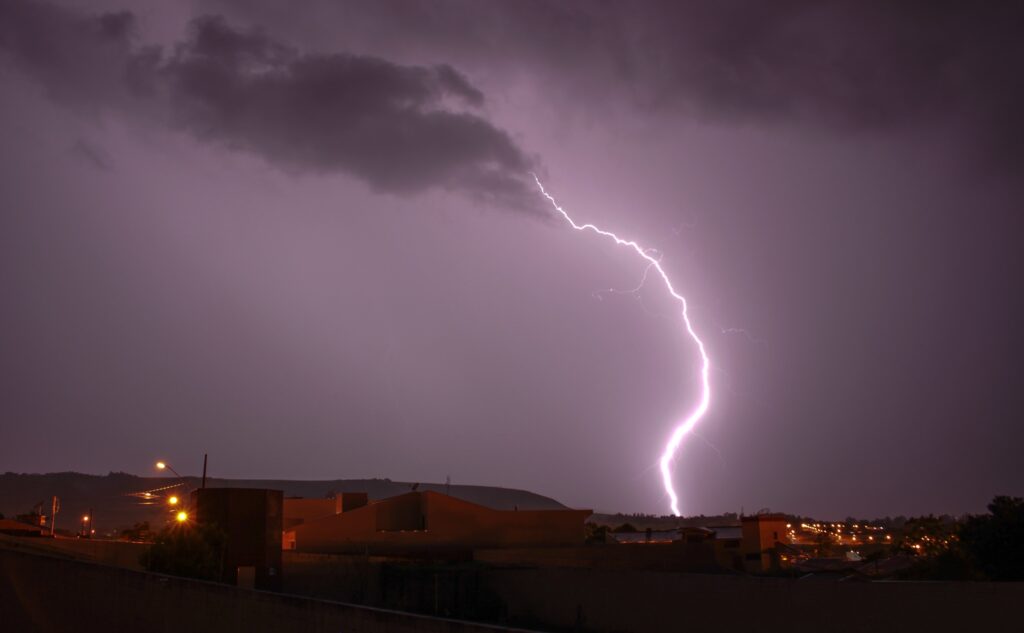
418	522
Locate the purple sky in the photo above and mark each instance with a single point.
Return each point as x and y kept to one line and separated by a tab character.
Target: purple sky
306	242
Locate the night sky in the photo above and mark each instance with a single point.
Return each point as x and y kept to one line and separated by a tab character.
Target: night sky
305	239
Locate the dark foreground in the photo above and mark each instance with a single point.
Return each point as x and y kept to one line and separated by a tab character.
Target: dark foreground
50	593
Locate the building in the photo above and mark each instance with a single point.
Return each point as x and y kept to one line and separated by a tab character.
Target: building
18	528
427	521
762	534
251	520
298	510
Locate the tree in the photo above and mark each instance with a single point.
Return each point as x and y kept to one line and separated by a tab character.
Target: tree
193	551
925	536
994	542
594	533
138	532
822	544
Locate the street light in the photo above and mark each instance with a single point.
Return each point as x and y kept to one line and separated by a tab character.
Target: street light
162	465
173	500
165	465
181	516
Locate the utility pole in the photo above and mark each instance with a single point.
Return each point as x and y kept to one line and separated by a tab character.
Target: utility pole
204	471
53	514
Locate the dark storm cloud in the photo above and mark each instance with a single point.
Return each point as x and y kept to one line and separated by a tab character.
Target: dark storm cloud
402	129
846	65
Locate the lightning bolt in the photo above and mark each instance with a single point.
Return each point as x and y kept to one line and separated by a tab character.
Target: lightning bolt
686	424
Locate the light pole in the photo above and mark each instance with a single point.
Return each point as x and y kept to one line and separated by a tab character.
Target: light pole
162	465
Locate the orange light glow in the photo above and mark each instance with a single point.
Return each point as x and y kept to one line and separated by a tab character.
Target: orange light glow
173	500
182	516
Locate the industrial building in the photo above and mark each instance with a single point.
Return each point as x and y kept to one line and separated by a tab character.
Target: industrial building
250	519
419	521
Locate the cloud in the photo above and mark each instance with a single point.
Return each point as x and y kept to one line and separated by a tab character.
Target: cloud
842	66
402	129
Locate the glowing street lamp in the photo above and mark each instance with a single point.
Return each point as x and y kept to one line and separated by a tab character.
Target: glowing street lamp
162	465
181	517
173	500
85	524
166	466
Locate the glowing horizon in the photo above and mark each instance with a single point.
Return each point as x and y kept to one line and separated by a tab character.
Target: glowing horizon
688	422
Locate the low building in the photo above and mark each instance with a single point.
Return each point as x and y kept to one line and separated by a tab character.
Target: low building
431	522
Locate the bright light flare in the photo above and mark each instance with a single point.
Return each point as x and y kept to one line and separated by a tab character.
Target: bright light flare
161	465
173	500
686	424
181	517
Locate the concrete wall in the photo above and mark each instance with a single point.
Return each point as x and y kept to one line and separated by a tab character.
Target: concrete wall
48	594
298	511
676	556
615	600
433	588
117	553
653	602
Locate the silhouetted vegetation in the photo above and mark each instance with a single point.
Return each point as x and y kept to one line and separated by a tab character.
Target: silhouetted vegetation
138	532
661	522
193	551
594	533
981	547
994	543
823	546
927	536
